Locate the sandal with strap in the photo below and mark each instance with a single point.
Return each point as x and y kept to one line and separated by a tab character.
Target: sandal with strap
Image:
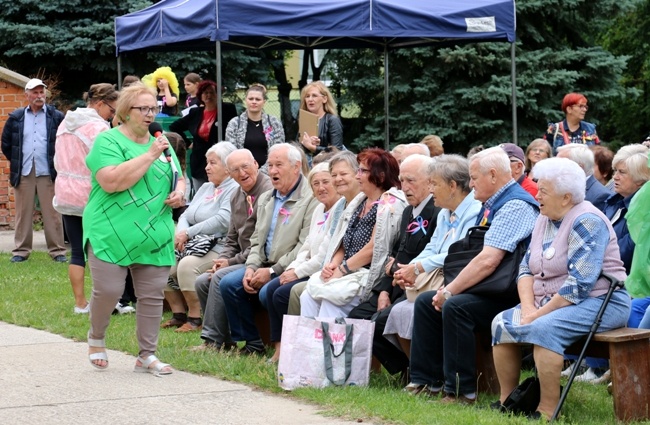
154	366
93	357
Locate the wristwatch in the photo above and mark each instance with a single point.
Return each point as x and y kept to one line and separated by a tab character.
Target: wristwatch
447	294
271	272
417	270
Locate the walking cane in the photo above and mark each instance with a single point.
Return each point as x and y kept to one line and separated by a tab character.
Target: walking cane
613	284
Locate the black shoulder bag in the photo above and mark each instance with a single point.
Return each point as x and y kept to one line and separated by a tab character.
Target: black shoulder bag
503	281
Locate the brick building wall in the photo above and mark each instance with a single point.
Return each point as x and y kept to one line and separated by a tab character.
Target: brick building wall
12	96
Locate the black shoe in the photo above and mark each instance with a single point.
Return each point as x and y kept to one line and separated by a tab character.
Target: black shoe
496	405
60	259
18	259
249	350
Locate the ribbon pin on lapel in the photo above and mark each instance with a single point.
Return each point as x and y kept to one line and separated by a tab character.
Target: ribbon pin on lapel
286	213
250	199
418	224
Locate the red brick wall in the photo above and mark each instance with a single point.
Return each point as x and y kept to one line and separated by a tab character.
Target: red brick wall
11	97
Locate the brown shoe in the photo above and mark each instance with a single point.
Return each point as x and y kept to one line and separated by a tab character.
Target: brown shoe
421	389
460	399
189	327
172	323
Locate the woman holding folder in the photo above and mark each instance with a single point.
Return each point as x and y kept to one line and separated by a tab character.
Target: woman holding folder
317	100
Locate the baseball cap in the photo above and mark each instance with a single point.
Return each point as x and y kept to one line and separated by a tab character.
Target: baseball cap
513	151
33	83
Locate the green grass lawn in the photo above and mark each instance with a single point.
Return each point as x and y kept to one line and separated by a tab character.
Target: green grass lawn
37	294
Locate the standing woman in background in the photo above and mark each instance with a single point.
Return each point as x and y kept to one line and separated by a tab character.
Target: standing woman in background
573	129
191	84
128	225
317	99
74	139
254	129
202	124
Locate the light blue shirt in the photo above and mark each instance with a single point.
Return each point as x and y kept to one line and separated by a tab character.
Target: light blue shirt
35	143
433	255
278	202
513	222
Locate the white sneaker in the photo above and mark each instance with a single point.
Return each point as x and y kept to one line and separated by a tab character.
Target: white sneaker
589	376
85	310
604	378
126	309
567	372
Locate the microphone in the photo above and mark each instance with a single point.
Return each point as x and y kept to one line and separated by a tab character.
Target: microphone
156	130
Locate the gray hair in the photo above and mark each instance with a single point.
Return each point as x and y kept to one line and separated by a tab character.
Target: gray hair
347	157
293	154
321	167
451	167
424	161
221	150
635	156
416	148
565	175
248	153
493	157
580	154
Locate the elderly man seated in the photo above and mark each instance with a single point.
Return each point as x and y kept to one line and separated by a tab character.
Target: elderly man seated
443	351
284	217
243	205
595	192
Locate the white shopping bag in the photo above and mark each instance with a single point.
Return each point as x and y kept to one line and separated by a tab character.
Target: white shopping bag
322	352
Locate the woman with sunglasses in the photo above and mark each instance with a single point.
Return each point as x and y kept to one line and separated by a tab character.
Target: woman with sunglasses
573	129
74	138
128	224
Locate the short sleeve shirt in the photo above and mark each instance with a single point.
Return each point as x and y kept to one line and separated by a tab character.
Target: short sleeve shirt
133	226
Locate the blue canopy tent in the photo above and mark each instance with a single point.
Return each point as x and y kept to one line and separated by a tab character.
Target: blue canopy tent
180	25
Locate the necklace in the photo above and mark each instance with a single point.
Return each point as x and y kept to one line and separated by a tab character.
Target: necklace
257	123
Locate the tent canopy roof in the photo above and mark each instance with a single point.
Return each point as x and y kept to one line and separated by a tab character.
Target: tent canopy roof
176	25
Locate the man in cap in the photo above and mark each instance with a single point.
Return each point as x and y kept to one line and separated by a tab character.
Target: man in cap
517	166
28	143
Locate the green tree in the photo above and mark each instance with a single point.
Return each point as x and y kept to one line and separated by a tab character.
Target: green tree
462	93
629	120
73	43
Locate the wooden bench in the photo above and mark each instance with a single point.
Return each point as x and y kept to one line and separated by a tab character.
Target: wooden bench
628	351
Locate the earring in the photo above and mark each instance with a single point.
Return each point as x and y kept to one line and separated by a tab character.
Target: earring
128	117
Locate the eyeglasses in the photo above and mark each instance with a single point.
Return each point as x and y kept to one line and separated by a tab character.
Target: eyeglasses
582	106
539	150
362	170
146	110
109	107
243	168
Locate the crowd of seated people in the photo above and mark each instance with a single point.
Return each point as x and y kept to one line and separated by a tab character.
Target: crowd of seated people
354	235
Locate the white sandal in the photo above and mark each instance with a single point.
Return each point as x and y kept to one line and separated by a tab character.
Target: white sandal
153	365
98	343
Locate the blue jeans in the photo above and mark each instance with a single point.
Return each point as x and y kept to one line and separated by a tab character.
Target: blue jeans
275	298
446	355
240	307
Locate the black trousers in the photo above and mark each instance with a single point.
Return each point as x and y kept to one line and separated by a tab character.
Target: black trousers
391	357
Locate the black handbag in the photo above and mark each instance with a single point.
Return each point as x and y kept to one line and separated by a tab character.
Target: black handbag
524	399
503	281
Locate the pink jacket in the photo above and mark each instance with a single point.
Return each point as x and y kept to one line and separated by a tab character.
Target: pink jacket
74	138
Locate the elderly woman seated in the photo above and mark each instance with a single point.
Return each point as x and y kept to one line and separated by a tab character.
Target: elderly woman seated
560	284
358	251
207	218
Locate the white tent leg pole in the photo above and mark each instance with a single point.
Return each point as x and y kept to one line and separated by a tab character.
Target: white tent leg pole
386	106
219	93
513	77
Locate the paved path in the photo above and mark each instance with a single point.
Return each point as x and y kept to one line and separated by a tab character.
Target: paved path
46	379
